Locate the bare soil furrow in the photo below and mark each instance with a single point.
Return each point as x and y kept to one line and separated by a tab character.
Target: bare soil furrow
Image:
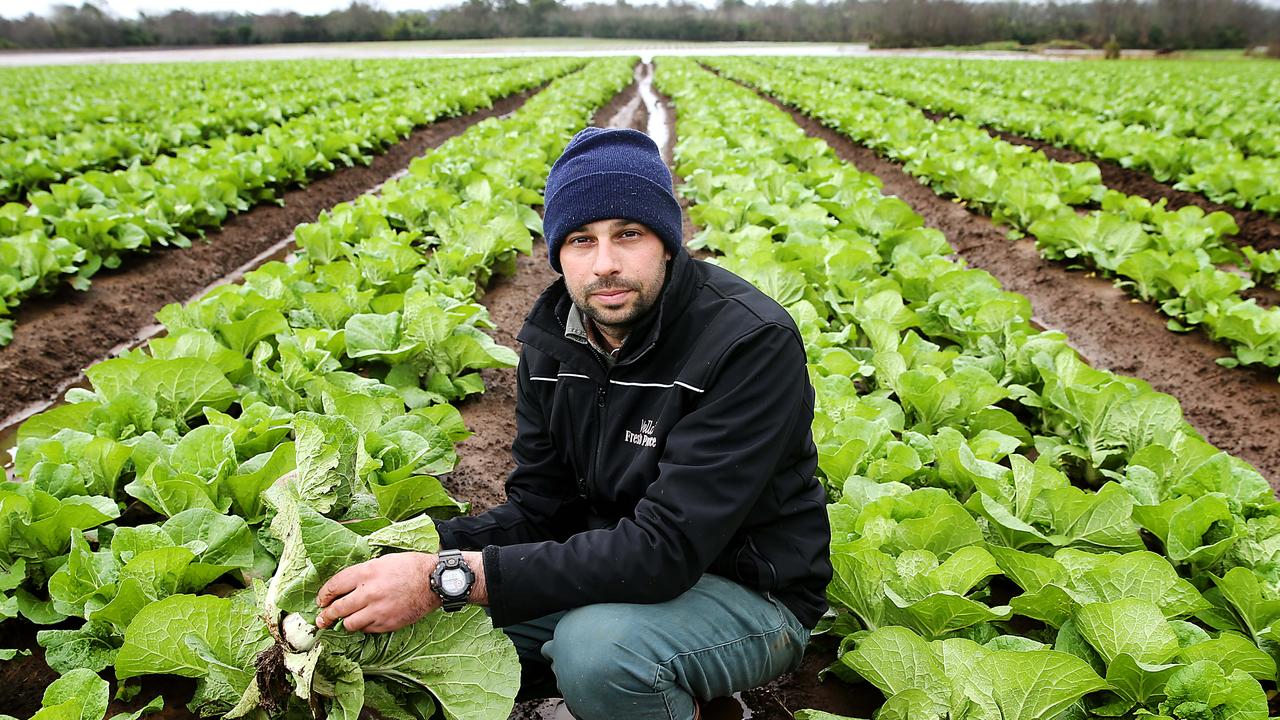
484	459
1257	229
58	336
1236	409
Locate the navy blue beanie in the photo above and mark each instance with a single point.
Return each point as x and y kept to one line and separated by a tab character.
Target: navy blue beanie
610	173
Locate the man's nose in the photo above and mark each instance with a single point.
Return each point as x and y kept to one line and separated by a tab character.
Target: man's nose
607	260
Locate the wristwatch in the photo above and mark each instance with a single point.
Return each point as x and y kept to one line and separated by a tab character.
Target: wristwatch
452	580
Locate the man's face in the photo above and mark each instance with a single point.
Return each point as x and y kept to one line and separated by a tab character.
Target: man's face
614	270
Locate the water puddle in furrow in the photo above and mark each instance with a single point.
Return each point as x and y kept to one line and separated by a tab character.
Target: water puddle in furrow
657	129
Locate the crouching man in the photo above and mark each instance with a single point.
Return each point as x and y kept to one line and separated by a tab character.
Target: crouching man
664	539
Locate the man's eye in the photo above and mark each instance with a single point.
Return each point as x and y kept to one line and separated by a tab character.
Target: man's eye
581	240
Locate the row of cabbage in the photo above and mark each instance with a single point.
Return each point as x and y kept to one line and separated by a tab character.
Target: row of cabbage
995	501
263	95
1080	184
73	229
1170	258
1207	99
55	99
285	427
1215	167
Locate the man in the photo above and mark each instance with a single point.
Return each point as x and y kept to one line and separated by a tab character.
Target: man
664	538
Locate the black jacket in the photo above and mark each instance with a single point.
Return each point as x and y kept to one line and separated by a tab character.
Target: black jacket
692	454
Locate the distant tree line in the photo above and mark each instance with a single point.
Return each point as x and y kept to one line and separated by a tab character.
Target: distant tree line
1160	24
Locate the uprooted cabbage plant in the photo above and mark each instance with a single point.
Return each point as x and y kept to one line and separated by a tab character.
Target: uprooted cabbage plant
323	520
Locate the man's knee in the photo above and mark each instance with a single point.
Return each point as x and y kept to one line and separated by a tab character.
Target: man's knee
598	653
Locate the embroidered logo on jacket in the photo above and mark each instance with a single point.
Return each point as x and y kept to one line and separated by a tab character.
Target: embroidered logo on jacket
645	437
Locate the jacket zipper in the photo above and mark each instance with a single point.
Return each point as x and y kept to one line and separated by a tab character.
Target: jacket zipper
602	399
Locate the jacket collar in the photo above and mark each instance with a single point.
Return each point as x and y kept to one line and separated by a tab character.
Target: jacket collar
544	327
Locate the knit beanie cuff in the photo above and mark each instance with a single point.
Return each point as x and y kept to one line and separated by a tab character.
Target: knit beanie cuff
609	195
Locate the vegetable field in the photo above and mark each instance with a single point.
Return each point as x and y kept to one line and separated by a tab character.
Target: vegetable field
260	326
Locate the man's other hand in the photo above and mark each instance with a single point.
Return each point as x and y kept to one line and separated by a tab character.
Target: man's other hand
388	593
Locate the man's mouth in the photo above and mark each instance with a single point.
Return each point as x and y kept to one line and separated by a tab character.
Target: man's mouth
611	295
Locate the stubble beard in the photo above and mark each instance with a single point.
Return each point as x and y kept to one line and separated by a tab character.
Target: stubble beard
620	324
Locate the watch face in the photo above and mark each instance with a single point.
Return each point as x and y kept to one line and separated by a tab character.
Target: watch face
453	581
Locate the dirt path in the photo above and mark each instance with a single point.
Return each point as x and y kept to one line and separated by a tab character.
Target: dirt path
484	459
1236	409
1257	229
57	337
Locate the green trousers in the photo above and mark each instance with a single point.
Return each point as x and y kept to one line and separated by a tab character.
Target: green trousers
618	661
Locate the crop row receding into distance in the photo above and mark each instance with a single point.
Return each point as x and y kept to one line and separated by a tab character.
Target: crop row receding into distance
73	229
979	469
326	379
941	408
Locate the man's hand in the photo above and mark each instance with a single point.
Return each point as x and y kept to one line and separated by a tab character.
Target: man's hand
388	593
381	595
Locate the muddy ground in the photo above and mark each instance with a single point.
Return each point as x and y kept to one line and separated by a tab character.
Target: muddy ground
56	337
1257	229
1236	409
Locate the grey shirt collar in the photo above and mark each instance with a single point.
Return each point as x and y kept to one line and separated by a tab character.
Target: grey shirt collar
575	328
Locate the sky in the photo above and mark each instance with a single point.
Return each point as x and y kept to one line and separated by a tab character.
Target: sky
131	8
